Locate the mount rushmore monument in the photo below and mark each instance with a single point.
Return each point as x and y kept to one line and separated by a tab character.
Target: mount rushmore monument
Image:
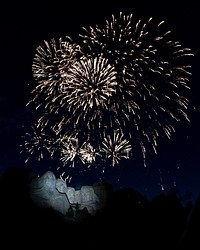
49	191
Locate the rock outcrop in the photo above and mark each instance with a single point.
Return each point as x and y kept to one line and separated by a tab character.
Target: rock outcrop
47	191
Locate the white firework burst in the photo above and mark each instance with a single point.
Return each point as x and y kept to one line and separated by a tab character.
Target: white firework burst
153	75
116	147
52	59
70	151
88	154
50	65
91	83
128	76
36	144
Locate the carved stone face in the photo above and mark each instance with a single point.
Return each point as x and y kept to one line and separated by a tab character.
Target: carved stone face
61	186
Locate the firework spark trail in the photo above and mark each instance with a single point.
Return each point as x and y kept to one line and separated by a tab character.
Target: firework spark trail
36	142
116	147
152	75
72	151
92	81
51	62
128	76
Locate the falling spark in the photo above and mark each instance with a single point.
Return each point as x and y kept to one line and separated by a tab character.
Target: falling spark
125	85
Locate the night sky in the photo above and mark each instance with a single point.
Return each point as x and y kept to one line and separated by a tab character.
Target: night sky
24	25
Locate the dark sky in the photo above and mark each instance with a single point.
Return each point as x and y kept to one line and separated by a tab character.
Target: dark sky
24	25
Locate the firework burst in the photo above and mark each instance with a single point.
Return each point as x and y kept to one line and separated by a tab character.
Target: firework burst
51	63
153	75
86	96
36	143
116	147
127	78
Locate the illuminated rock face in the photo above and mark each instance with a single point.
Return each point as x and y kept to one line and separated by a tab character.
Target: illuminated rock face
94	197
47	191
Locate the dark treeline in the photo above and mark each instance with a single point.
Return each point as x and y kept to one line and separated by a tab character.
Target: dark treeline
129	220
